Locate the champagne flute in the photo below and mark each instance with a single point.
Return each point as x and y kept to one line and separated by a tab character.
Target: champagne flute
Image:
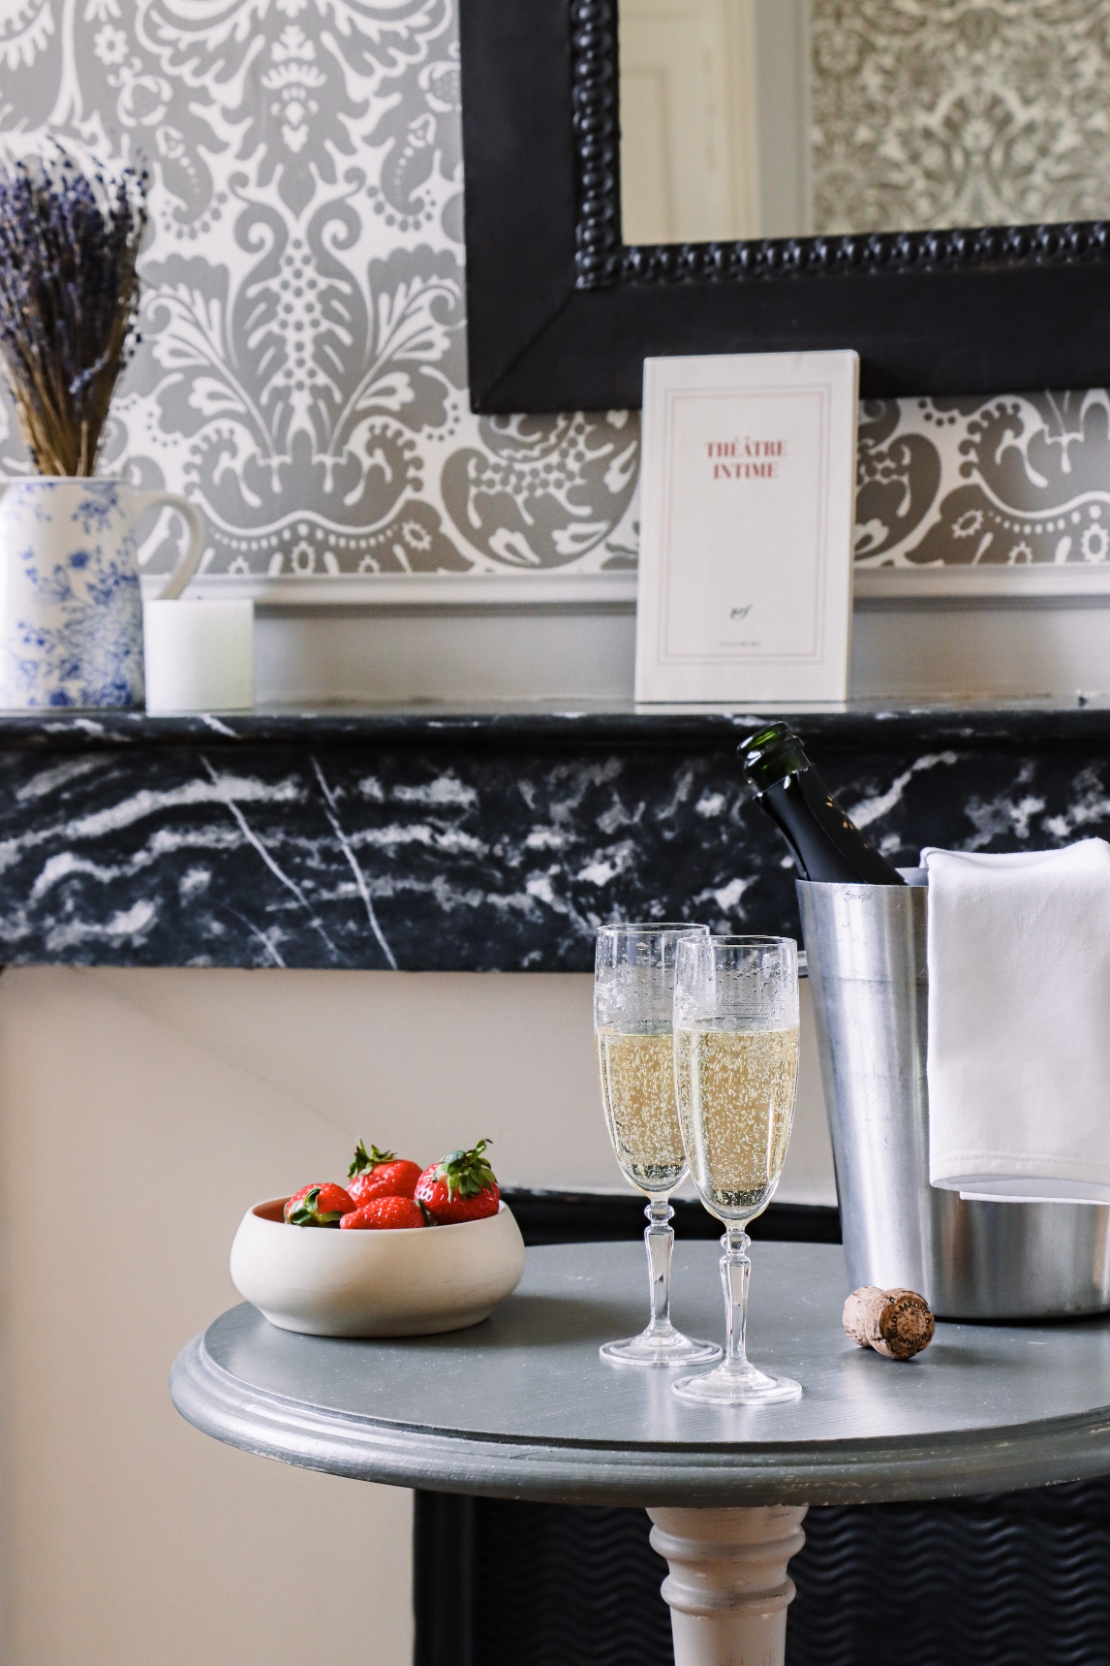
633	1015
736	1067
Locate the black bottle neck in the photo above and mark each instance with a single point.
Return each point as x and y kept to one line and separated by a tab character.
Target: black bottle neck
827	846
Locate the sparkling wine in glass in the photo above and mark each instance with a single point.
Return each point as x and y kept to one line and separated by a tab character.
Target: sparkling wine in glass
633	1014
736	1067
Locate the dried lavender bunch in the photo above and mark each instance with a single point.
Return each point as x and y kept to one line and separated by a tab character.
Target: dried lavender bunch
69	294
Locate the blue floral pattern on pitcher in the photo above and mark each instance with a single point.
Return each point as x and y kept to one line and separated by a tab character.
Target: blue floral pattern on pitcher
71	615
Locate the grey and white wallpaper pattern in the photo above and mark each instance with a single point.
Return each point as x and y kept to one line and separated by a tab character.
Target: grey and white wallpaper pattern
303	367
302	374
1014	481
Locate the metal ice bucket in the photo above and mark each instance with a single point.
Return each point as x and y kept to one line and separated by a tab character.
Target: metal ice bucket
865	946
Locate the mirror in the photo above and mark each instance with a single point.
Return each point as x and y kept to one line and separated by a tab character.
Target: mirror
953	154
783	118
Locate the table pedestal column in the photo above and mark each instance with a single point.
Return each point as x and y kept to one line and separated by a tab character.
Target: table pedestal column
728	1589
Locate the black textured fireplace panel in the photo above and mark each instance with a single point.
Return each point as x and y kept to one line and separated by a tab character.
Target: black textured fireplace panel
1018	1579
568	1585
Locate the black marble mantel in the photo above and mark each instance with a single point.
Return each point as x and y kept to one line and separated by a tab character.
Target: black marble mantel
427	838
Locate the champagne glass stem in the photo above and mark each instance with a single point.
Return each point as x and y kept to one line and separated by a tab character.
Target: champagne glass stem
660	1343
735	1273
659	1239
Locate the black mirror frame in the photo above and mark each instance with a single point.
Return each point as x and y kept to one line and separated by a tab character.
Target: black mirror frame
561	314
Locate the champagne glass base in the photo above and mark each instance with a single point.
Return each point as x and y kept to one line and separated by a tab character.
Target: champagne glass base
660	1347
729	1386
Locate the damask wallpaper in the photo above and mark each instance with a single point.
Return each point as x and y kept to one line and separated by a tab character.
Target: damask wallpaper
1010	481
303	364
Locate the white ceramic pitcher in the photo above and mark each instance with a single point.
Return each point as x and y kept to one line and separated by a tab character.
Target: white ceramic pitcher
71	614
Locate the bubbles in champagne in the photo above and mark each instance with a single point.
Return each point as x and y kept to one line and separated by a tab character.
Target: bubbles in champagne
736	1104
637	1089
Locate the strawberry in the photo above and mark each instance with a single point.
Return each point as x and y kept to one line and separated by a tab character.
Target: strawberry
380	1174
386	1214
460	1188
319	1205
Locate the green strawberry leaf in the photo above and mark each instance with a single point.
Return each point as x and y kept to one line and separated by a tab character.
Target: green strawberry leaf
364	1160
466	1172
305	1213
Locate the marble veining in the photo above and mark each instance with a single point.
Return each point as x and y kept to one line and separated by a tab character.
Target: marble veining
431	840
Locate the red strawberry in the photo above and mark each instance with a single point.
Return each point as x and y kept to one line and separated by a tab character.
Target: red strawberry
380	1174
385	1214
319	1205
460	1188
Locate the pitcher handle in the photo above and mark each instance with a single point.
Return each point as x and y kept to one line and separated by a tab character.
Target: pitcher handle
194	520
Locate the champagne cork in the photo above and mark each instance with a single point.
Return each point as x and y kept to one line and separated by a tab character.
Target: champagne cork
896	1323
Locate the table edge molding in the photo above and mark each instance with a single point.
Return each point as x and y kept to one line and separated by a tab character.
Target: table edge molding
890	1470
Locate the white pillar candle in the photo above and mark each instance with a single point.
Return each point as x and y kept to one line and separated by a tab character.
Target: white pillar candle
199	655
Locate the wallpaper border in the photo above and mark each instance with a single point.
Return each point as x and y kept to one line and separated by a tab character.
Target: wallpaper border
467	589
878	585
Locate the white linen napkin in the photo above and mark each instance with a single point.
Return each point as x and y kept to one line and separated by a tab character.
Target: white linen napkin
1019	1023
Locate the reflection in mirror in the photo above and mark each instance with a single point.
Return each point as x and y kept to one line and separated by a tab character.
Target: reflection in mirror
779	118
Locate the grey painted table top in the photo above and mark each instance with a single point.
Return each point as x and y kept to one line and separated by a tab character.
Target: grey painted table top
523	1407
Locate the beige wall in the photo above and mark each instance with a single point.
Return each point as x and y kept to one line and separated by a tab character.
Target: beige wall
141	1112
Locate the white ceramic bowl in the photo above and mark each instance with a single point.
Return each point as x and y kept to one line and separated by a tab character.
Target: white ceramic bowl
412	1282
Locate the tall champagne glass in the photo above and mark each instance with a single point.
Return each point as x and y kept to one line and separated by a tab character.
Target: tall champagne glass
633	1014
736	1066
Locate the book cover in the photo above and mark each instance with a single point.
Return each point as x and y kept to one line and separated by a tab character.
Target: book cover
748	502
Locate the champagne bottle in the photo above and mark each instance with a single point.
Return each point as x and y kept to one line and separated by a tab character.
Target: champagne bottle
825	844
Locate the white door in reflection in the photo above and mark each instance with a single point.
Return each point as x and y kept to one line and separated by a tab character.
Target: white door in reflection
715	121
782	118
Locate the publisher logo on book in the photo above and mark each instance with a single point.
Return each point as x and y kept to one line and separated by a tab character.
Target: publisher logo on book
745	459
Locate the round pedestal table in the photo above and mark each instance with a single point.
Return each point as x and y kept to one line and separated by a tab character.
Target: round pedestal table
522	1406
